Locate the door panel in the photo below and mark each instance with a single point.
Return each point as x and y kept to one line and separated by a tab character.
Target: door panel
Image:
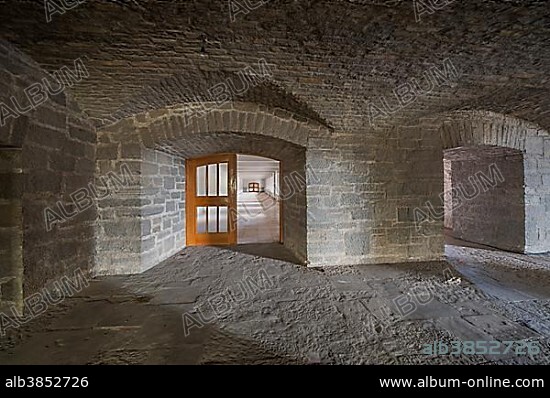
211	198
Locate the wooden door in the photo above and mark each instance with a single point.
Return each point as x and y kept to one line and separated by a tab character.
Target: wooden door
211	200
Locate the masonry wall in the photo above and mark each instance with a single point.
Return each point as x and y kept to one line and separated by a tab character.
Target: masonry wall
293	193
11	229
373	187
362	188
489	211
340	194
447	187
537	194
163	211
361	209
57	158
142	223
119	228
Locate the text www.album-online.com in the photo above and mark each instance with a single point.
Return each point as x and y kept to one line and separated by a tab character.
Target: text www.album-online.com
489	382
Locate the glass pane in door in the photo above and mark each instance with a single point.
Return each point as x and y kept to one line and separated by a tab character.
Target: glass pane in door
212	219
201	220
201	181
213	179
222	220
223	179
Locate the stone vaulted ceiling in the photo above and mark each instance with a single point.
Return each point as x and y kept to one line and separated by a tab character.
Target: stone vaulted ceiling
329	58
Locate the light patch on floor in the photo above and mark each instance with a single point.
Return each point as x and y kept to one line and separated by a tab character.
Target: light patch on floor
258	218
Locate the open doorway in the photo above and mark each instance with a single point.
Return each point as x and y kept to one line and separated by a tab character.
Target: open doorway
484	200
258	204
233	199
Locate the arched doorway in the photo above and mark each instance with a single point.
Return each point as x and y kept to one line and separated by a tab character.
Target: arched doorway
516	148
233	198
156	146
484	196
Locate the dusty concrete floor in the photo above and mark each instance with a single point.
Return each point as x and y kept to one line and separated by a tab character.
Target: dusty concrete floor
333	316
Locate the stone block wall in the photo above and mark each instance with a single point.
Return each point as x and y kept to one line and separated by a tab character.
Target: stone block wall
11	228
537	194
294	214
142	220
58	149
163	211
119	228
362	207
447	187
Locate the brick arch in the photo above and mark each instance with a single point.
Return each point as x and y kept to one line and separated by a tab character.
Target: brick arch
188	146
166	125
469	128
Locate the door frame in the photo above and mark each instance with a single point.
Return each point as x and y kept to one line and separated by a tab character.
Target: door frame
281	229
